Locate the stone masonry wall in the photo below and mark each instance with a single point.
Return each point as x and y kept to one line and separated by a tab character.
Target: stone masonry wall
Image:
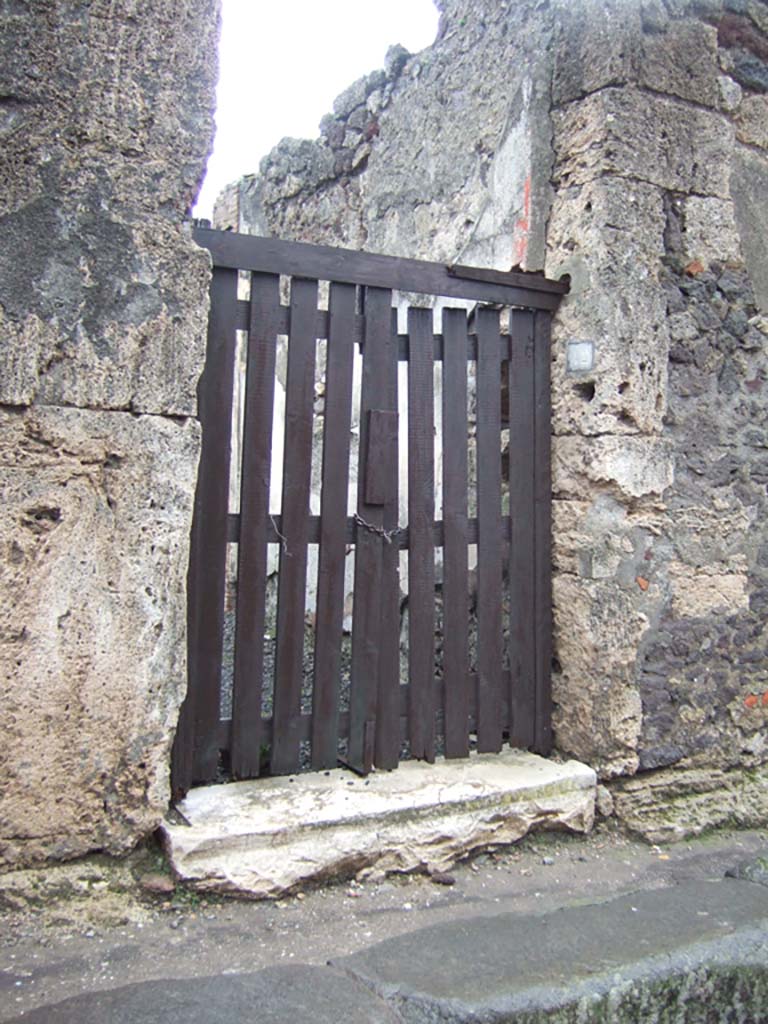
660	471
622	142
105	125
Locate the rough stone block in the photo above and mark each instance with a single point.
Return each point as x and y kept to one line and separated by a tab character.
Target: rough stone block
612	43
95	532
671	804
595	48
569	534
597	717
749	187
636	134
265	838
102	300
97	117
353	96
608	235
752	121
710	230
603	539
98	315
681	61
625	394
755	10
699	591
731	93
620	221
750	70
226	208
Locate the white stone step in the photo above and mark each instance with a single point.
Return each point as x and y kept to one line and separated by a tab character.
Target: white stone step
268	837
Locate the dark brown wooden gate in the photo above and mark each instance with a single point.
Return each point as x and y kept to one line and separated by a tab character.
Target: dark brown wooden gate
475	670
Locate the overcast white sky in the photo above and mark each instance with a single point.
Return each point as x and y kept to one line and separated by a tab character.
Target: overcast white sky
283	62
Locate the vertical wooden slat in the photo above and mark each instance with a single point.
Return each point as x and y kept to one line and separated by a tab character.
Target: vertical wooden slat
421	514
366	616
521	508
333	522
489	572
208	553
299	407
254	513
387	739
182	752
543	530
455	574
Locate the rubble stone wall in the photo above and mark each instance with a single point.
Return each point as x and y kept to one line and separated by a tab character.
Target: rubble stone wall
106	119
621	142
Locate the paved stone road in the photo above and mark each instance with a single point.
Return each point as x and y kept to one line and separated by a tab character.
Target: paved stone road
554	929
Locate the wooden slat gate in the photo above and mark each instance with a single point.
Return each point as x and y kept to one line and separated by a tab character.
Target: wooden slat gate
476	668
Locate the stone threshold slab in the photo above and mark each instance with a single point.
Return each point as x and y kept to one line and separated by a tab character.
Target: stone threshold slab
268	837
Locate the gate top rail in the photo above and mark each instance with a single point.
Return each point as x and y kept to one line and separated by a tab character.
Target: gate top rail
326	263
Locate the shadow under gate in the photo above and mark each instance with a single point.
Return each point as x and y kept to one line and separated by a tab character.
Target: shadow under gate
467	409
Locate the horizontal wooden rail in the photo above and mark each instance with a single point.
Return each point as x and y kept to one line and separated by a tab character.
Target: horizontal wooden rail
324	263
304	721
275	536
358	328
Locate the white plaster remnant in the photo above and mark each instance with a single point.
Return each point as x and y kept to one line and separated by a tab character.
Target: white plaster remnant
507	210
265	838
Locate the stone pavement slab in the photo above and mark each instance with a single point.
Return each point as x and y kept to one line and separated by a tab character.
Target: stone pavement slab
267	837
277	995
694	952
